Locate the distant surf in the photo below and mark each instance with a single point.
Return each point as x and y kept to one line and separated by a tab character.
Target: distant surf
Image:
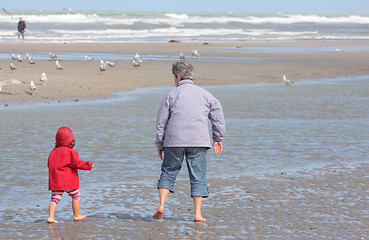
82	26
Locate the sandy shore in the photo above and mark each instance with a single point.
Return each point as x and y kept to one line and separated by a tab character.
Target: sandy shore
328	203
80	79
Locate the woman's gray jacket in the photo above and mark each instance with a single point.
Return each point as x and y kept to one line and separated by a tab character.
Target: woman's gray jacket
182	119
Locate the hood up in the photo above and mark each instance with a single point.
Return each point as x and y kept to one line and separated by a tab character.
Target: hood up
64	137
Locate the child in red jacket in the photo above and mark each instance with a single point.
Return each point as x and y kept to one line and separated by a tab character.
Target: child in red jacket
63	166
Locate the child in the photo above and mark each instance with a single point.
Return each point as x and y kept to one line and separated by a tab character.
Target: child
63	166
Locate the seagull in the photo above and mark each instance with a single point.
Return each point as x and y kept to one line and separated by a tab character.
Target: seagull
136	63
286	81
9	81
12	66
52	55
58	66
32	87
20	59
110	63
43	78
138	58
181	56
339	50
14	57
195	53
87	58
102	66
28	57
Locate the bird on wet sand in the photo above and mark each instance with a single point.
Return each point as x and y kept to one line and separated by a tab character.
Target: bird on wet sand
32	87
58	66
102	65
195	53
12	66
52	55
43	78
286	81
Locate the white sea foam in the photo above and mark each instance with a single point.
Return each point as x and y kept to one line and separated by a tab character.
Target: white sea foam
174	15
196	18
172	31
73	26
290	19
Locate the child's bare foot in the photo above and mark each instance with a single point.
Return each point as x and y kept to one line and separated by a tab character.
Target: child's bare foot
79	217
158	213
52	220
199	219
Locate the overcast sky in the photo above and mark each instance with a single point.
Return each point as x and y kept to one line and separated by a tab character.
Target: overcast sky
246	6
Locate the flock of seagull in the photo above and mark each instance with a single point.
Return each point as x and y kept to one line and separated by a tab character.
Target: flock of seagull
136	62
32	86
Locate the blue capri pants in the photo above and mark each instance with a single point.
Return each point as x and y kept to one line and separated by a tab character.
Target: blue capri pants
196	165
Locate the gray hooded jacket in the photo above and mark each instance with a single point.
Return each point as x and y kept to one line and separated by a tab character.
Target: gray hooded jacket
182	119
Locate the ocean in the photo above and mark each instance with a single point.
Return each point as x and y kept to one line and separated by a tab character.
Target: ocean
81	26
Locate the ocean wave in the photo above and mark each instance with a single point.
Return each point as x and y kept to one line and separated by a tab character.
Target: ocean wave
177	16
209	38
291	19
163	34
74	26
60	18
173	18
172	31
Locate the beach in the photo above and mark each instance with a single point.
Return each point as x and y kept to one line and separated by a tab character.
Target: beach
327	204
219	64
294	164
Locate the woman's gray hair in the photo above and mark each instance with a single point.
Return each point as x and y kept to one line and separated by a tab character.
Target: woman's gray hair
184	69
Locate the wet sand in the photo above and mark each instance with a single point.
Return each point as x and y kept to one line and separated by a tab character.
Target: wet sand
81	79
328	203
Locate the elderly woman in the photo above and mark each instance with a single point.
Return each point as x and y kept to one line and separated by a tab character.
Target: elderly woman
182	132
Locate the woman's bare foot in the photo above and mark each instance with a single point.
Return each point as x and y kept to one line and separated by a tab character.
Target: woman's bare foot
158	213
79	217
52	220
199	219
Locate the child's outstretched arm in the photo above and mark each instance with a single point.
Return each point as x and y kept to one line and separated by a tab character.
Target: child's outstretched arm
78	164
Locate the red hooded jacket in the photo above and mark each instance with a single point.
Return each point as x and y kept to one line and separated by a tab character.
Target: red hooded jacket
64	163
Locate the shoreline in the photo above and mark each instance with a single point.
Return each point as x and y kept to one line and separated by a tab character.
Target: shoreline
83	80
116	95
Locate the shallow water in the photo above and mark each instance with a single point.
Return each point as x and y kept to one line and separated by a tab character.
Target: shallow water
128	57
271	129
